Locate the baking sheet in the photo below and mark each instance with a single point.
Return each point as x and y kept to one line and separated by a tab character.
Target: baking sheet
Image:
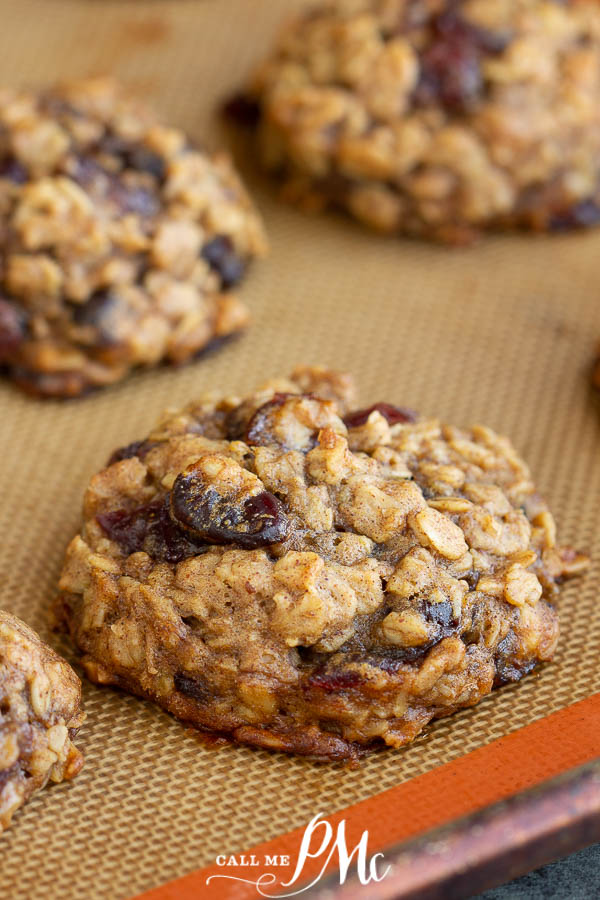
502	333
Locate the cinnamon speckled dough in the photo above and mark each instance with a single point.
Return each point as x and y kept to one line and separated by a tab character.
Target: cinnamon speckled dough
40	714
119	240
309	578
437	118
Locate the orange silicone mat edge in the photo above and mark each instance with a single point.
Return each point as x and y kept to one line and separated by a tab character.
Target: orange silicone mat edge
534	753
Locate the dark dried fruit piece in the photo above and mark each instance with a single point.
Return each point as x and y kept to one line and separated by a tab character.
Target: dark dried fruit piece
199	508
258	432
150	529
451	66
194	687
133	198
392	414
99	312
133	156
581	215
221	256
243	109
13	170
334	680
136	448
391	659
13	328
440	613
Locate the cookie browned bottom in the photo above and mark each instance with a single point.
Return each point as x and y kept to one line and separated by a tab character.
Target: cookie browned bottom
312	578
435	118
121	242
40	714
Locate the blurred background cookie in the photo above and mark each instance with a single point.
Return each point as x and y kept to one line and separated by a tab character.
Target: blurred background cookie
436	118
119	240
40	714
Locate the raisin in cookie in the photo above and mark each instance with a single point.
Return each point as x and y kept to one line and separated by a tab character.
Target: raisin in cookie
436	118
120	241
309	577
40	713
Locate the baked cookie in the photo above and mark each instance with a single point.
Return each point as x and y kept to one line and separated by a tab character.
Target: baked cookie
120	241
436	118
312	578
40	714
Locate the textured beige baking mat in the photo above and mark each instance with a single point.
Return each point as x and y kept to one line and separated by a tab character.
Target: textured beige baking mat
502	333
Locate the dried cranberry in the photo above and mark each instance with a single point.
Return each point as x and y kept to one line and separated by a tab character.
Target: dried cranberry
13	170
440	613
258	428
450	74
391	659
392	414
580	215
86	171
194	687
142	159
243	109
451	65
151	529
221	256
335	680
133	156
13	328
200	509
136	448
99	312
134	199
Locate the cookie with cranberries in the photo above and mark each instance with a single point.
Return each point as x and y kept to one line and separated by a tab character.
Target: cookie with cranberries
435	118
309	576
40	714
121	241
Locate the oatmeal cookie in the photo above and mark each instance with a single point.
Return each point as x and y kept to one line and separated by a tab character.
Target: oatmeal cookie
436	118
40	714
120	241
310	577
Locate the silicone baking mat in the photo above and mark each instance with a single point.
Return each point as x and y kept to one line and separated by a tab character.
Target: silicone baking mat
501	333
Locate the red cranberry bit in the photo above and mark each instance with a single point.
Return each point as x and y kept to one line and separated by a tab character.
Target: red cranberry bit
256	522
13	328
221	256
334	681
151	529
392	414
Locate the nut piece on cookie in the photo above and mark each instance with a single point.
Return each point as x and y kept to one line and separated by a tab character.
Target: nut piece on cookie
121	241
40	714
308	575
435	118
